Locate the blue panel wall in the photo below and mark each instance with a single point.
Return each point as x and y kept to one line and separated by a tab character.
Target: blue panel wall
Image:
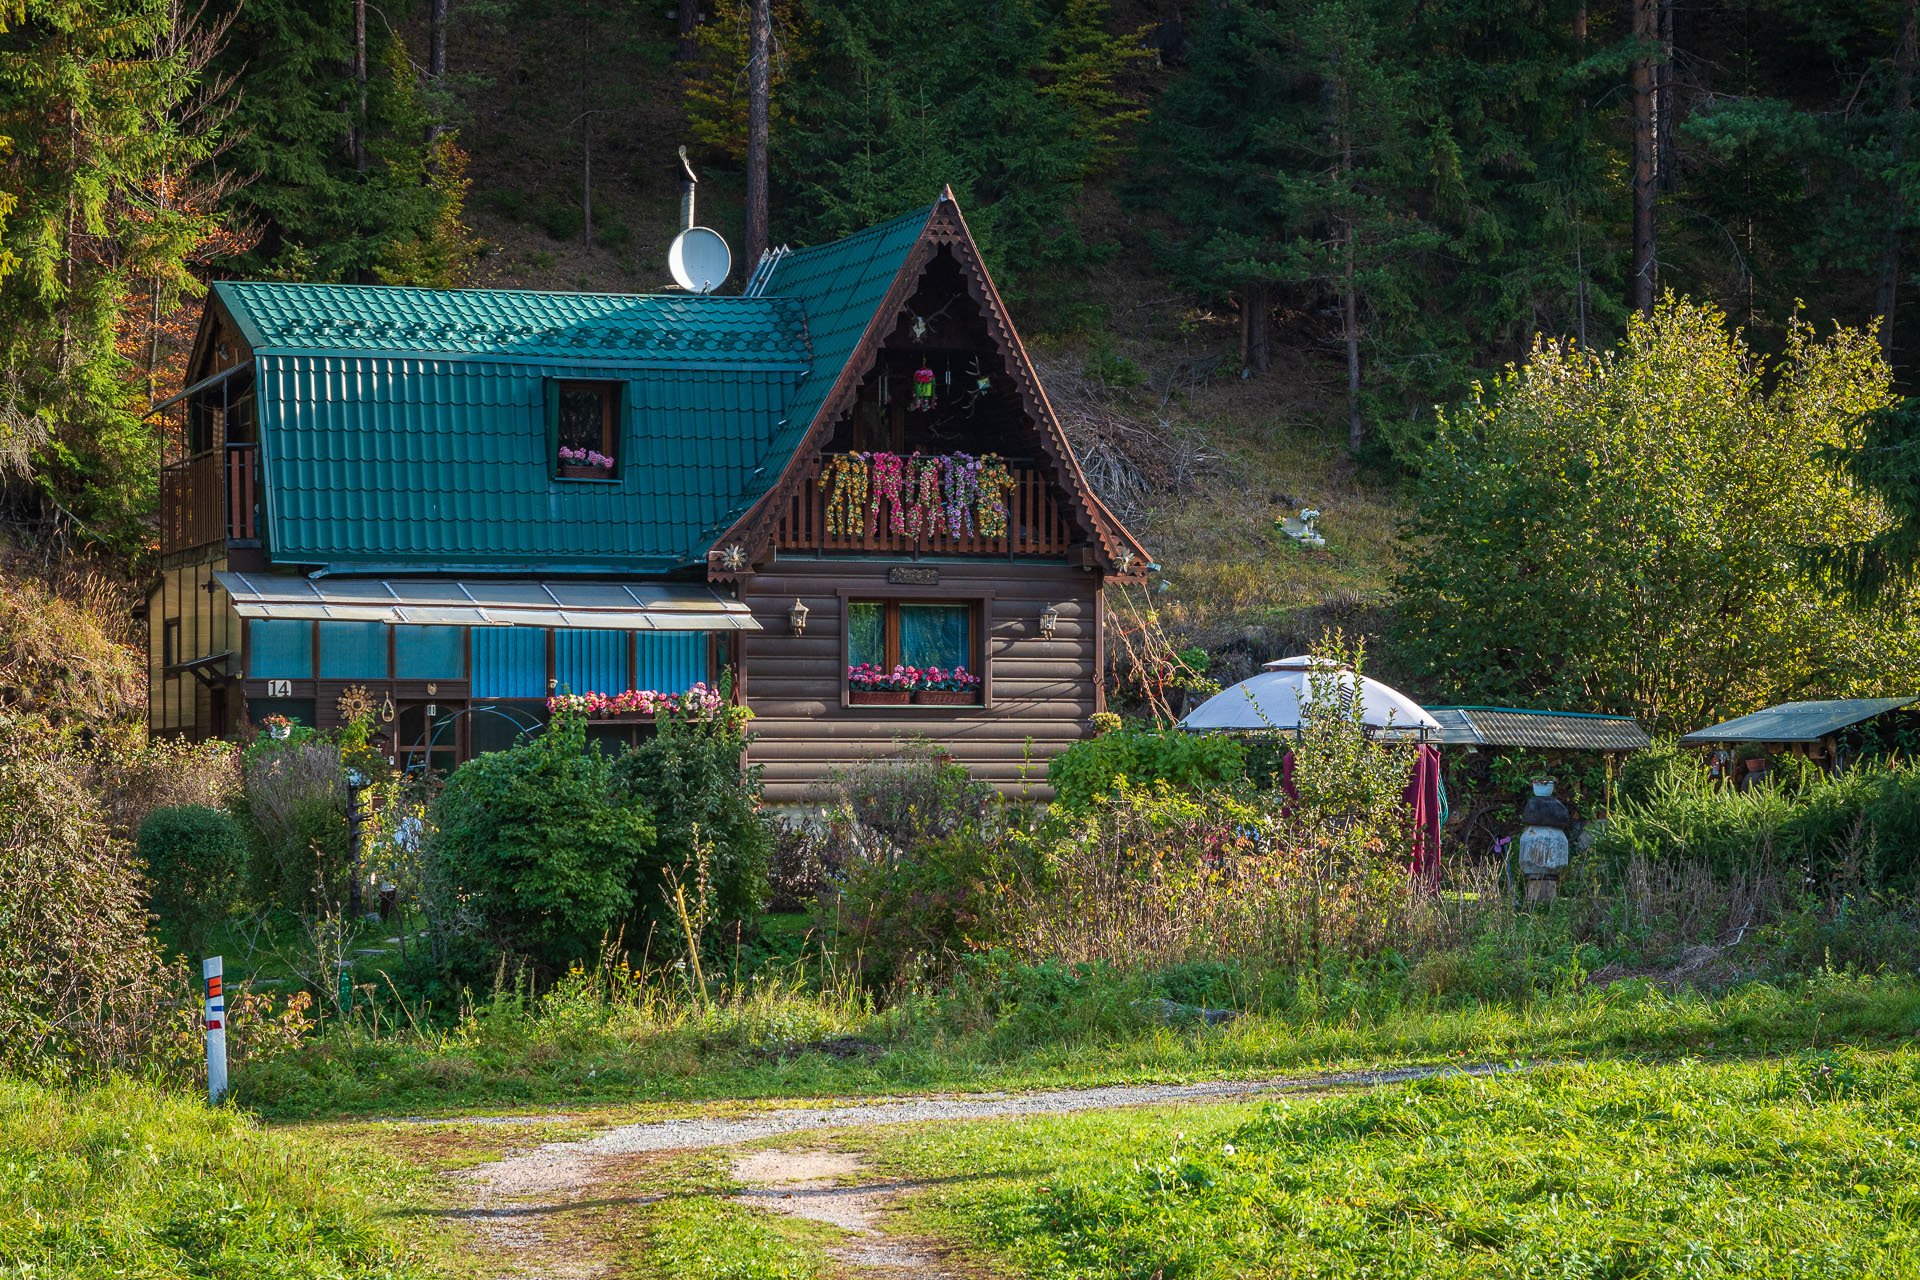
429	653
672	661
590	661
353	650
279	650
509	662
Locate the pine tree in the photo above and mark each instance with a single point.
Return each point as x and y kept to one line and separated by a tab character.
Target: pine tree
96	109
340	189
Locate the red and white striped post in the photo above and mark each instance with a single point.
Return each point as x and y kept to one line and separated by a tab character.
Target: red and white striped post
216	1031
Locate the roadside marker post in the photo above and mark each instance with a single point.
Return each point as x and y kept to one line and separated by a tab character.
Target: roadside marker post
216	1031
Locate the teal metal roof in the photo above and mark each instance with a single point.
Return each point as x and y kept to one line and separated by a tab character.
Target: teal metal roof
406	428
515	324
1799	721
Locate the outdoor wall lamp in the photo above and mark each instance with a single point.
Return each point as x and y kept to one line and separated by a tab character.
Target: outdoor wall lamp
797	617
1049	621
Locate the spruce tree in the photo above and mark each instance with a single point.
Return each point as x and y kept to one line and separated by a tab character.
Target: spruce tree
92	94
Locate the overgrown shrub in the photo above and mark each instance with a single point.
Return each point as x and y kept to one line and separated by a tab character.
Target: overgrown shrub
1815	831
82	985
195	859
133	775
904	859
1189	761
541	845
689	777
919	793
294	803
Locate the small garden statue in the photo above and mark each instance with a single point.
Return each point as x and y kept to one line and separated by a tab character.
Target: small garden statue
1543	845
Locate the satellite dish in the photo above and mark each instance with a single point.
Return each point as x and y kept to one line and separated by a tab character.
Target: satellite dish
699	260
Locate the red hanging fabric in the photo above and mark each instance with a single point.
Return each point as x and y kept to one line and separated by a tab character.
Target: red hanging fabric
1423	804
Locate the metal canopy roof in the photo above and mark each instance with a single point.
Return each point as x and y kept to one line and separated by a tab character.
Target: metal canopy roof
488	603
1542	730
1799	721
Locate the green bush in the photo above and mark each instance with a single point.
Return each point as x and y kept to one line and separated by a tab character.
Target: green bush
1859	828
689	777
195	857
910	912
293	802
82	986
540	845
1189	761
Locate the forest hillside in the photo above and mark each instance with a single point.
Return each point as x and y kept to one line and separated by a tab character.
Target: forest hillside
1259	249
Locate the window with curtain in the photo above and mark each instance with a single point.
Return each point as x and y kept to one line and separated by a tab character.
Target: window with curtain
891	633
353	650
279	649
429	653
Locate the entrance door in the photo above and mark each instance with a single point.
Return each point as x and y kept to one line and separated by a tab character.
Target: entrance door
427	736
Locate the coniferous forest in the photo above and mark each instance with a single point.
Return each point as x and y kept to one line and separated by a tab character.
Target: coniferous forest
1352	209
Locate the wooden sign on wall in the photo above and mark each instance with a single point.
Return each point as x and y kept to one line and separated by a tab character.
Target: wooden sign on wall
902	576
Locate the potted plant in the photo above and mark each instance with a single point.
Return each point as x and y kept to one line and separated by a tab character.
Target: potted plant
942	688
868	685
584	464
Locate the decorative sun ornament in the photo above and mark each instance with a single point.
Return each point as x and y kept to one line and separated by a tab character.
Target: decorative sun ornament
354	703
734	558
1126	559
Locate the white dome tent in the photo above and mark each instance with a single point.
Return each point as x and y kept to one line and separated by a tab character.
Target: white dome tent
1271	702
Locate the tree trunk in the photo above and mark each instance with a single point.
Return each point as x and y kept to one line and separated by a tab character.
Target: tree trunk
1350	325
1256	351
687	20
1886	293
1645	34
436	59
1665	170
586	174
759	104
360	85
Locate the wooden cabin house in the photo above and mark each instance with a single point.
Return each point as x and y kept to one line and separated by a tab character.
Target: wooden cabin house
450	505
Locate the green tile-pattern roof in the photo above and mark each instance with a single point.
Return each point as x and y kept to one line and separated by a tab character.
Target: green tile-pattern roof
515	324
406	427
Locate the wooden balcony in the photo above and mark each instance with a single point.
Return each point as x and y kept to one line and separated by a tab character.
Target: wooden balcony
210	497
1036	526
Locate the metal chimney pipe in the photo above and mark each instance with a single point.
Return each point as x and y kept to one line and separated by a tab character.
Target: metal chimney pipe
686	191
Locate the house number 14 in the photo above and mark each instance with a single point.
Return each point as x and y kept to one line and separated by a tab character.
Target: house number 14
279	688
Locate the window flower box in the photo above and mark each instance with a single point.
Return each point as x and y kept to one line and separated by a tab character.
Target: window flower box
583	464
947	687
878	697
947	697
869	685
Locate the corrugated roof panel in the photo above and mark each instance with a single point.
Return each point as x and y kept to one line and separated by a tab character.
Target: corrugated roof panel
1542	730
1799	721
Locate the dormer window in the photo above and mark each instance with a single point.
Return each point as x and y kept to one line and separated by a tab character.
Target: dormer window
585	429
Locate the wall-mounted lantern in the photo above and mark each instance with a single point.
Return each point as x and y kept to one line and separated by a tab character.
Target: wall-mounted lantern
1049	621
797	617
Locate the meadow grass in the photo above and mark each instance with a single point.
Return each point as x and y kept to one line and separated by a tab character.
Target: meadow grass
1805	1167
782	1042
124	1179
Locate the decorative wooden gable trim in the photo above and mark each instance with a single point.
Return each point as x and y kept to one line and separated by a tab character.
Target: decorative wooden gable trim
749	540
1119	552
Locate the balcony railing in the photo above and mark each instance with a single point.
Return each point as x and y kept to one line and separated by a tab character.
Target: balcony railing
209	497
1036	526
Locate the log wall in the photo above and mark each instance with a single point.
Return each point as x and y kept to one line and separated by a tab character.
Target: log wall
1040	694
